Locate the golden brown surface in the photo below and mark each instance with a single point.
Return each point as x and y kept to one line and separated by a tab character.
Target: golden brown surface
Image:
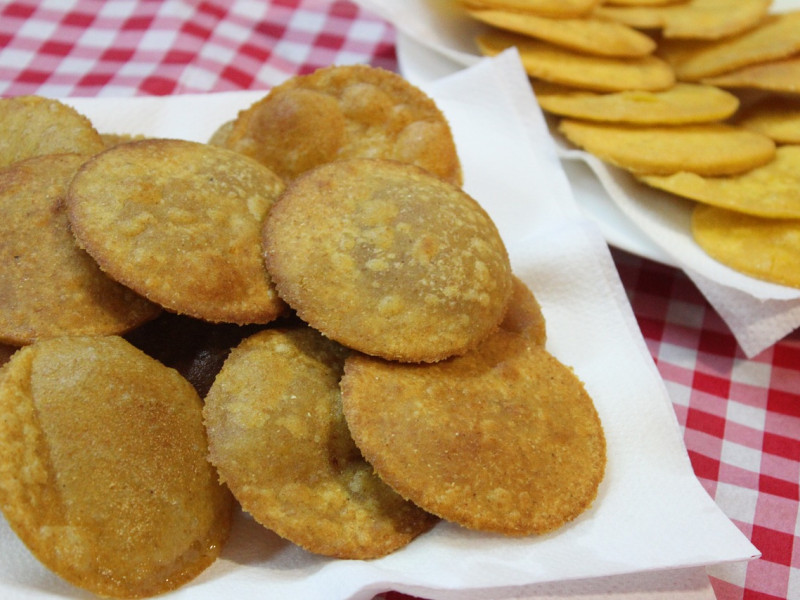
695	19
547	8
103	470
502	439
593	36
387	259
705	149
344	112
48	285
776	117
681	104
524	314
782	75
179	222
549	62
35	126
767	249
769	191
776	37
279	440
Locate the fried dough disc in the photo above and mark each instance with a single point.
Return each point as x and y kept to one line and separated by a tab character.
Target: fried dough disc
767	249
502	439
782	75
559	65
103	469
559	9
593	36
48	285
35	126
769	191
778	36
642	2
777	118
386	259
705	149
179	222
524	314
278	439
694	20
341	112
681	104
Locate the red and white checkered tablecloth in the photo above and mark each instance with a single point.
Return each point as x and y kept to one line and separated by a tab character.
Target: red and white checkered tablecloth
740	417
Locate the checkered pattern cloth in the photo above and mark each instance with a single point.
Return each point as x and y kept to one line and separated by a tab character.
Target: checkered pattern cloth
740	417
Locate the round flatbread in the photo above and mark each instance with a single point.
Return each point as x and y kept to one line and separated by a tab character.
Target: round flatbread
342	112
776	37
592	36
502	439
558	9
706	149
279	440
549	62
35	126
681	104
771	191
48	285
179	222
767	249
386	259
692	19
776	117
782	75
103	469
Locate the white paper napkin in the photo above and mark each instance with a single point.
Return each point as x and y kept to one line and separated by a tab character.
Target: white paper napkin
651	513
758	313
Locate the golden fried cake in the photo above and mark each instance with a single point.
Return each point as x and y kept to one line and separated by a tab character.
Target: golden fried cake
681	104
776	37
781	75
543	60
48	285
502	439
35	126
592	36
556	9
706	148
278	439
179	222
771	191
342	112
693	19
776	117
387	259
764	248
103	468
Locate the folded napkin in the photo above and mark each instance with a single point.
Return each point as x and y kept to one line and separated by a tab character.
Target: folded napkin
651	515
757	313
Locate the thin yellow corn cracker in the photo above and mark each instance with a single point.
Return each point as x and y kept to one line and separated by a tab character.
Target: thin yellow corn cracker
706	149
593	36
767	249
551	63
771	191
680	104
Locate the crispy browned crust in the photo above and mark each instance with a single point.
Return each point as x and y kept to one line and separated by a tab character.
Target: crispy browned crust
103	469
343	112
503	439
179	222
279	440
48	285
387	259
